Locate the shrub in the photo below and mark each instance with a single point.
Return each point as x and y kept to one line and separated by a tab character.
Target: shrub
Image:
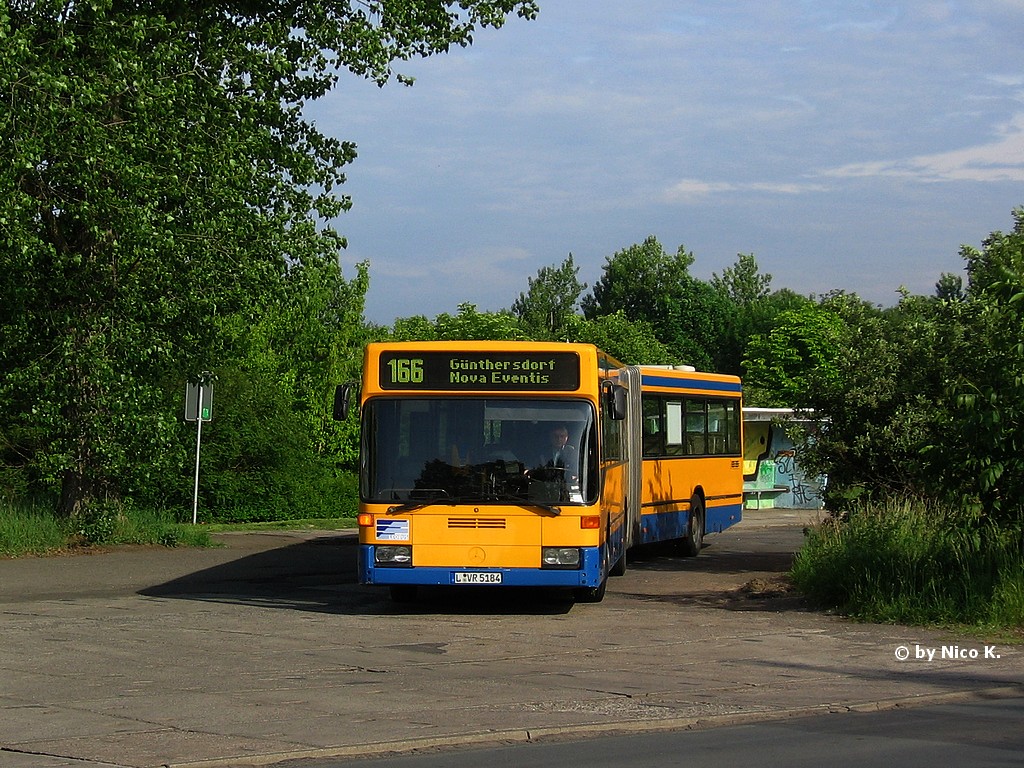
914	562
29	528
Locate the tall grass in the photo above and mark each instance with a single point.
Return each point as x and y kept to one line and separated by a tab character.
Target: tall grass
31	528
914	562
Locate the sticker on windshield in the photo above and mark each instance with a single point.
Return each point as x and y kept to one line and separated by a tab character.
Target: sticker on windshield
392	530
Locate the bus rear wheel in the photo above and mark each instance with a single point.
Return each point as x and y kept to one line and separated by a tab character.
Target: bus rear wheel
693	541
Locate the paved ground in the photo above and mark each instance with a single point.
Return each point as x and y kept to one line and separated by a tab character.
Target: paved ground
266	650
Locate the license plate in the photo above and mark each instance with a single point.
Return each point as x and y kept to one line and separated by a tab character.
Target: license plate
477	577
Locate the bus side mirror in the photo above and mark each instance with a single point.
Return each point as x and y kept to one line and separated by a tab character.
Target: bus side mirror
342	397
615	402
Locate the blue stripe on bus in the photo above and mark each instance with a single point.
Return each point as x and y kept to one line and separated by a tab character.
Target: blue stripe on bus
674	383
664	526
590	575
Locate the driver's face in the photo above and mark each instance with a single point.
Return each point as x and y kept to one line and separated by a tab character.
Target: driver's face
559	437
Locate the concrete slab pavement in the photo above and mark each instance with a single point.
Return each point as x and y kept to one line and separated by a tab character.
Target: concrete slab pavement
267	650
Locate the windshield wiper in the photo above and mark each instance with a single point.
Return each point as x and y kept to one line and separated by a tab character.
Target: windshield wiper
551	509
411	504
414	504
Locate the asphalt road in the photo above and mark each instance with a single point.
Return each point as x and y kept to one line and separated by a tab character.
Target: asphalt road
266	650
985	733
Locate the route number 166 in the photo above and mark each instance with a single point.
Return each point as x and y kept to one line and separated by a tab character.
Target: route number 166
406	370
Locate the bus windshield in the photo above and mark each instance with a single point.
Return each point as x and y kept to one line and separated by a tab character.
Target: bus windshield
479	450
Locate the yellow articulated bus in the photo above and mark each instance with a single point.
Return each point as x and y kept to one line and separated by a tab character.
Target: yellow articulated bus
687	428
535	464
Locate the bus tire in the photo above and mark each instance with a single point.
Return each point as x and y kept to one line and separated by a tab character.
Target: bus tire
590	594
619	569
691	544
403	593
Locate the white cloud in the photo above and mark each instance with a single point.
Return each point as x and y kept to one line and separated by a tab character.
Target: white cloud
779	128
484	260
492	261
693	190
999	160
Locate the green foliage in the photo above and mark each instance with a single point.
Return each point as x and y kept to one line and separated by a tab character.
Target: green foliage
258	459
550	303
980	448
908	562
632	343
645	283
414	328
32	529
471	324
743	283
636	277
27	529
872	379
949	287
97	522
159	187
799	355
468	324
924	398
752	311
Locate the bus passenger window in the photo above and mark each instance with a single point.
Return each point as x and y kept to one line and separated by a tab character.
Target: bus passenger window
674	432
717	428
653	427
696	428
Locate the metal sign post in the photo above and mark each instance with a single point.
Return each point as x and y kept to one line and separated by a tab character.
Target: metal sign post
199	408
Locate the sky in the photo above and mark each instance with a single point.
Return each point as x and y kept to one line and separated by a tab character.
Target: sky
847	145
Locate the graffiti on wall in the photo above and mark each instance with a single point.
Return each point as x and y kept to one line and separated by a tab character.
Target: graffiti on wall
805	492
772	472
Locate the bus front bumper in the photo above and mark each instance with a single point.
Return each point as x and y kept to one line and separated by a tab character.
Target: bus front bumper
590	574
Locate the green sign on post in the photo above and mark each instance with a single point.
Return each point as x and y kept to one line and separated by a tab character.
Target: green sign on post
199	401
199	408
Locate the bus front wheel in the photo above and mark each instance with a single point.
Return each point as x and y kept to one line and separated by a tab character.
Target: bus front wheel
619	569
403	593
590	594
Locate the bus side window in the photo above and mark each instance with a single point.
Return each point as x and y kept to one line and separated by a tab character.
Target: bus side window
653	427
674	424
611	436
696	427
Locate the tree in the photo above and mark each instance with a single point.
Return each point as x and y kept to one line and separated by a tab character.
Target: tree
635	278
645	283
949	287
751	309
980	448
158	178
801	354
469	323
550	301
743	282
849	365
628	341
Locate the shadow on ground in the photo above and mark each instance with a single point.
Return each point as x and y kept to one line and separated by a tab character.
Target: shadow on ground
741	571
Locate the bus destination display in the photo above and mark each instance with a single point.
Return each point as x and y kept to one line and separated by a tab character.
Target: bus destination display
489	371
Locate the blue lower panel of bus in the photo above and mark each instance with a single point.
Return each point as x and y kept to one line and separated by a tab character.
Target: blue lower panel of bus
590	575
665	526
717	519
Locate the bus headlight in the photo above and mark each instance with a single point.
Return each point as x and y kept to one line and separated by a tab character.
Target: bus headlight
560	557
392	554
